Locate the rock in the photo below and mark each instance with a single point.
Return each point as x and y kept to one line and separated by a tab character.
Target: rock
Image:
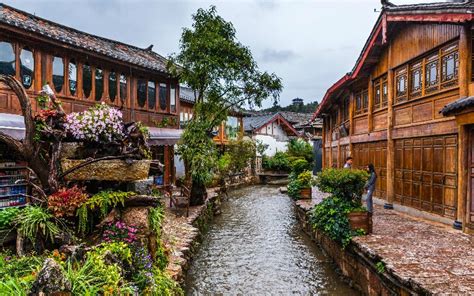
138	217
51	280
141	186
74	252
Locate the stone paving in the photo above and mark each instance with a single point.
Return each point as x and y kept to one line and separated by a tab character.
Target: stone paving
429	255
179	235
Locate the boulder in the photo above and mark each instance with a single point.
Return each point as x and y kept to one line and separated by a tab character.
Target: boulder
51	280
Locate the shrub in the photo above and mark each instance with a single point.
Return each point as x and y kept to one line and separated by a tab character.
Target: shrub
65	201
7	216
34	220
343	183
305	179
302	149
18	273
299	165
279	162
240	152
330	216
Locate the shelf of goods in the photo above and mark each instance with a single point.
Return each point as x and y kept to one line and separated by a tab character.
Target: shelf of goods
13	185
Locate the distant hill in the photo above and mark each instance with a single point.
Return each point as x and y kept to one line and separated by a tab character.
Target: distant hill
300	108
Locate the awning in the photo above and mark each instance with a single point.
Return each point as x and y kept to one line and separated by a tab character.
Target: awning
164	136
12	125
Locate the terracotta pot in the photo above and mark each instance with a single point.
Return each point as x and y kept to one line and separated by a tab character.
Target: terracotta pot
360	220
107	170
305	193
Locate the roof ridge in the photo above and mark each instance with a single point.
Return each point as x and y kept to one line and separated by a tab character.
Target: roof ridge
3	5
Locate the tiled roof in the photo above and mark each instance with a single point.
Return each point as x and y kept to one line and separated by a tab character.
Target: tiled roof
145	58
255	122
457	106
447	6
297	119
186	94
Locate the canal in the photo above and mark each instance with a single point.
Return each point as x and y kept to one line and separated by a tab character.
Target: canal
255	247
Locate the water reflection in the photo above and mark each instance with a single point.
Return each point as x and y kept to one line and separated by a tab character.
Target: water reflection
256	248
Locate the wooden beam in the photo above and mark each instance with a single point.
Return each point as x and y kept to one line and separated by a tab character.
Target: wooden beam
390	143
371	104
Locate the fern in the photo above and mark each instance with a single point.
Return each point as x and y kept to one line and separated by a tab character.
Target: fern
104	201
156	216
33	220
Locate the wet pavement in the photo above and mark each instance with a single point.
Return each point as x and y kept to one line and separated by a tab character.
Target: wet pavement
418	252
255	247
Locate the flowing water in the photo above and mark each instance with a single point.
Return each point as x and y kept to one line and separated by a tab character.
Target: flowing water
256	247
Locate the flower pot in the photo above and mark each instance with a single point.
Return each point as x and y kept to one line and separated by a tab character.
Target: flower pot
107	170
305	193
360	220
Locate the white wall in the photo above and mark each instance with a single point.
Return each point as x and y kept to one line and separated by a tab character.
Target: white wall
274	145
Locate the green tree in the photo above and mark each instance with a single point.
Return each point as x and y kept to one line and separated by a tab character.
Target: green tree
224	76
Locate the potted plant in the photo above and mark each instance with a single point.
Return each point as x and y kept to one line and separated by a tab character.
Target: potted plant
305	181
347	185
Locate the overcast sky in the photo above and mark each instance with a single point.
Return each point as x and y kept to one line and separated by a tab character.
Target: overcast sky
309	44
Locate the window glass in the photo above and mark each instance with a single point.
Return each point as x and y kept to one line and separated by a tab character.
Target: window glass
431	73
72	72
141	92
99	84
123	87
58	73
384	93
86	80
377	95
151	95
358	102
232	127
27	68
163	96
7	59
112	86
450	66
416	80
365	100
173	98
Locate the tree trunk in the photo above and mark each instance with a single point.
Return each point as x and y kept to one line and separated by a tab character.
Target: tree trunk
198	194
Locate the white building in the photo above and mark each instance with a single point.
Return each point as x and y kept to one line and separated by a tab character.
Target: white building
273	130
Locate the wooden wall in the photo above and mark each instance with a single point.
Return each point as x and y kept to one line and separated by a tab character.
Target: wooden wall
412	146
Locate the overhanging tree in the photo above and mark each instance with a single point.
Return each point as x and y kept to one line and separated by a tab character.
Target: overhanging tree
225	77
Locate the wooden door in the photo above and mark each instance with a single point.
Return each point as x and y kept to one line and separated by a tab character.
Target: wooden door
426	174
471	173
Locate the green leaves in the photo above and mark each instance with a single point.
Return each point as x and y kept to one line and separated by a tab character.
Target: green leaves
343	183
34	220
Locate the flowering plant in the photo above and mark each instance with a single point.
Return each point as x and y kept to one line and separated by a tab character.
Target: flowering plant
65	201
99	123
119	231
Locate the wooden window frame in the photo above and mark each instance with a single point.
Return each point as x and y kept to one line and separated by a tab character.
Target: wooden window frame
146	107
361	105
401	96
437	59
18	65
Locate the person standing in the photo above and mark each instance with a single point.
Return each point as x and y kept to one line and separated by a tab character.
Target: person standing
348	164
370	186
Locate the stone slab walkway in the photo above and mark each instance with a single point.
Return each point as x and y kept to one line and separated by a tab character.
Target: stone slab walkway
430	255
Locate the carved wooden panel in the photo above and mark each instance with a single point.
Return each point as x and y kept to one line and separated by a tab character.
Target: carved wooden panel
380	121
402	116
426	174
361	125
422	112
375	153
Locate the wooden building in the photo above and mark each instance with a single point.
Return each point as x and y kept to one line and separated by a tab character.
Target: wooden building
387	110
84	69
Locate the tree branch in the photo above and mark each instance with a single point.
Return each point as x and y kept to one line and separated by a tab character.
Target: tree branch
25	104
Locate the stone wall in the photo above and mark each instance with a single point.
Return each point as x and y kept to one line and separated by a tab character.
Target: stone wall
356	264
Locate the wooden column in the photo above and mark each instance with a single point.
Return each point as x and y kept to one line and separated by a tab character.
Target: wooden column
371	104
463	143
166	173
351	121
323	143
390	142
